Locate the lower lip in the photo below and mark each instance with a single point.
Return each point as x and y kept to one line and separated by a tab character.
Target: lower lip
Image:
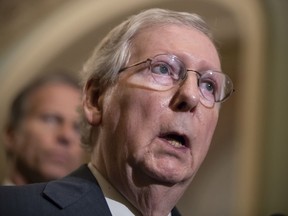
181	148
61	159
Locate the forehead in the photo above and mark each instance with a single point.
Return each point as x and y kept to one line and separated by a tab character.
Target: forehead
186	42
56	95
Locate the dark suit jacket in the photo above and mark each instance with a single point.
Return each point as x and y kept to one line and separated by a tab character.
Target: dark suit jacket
78	194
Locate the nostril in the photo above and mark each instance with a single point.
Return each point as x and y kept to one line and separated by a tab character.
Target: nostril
63	141
182	106
185	99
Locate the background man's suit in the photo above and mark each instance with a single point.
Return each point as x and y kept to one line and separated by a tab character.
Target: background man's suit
77	194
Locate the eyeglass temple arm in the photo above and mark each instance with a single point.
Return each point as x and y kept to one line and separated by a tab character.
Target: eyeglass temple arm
134	65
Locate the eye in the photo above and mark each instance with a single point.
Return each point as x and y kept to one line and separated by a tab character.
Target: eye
208	89
50	119
166	70
161	68
208	86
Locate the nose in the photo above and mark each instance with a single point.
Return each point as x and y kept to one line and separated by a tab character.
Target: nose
187	96
66	134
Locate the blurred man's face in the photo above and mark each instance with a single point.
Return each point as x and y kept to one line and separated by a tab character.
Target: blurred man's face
155	136
46	144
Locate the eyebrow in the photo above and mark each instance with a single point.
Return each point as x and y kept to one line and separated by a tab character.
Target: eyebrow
204	65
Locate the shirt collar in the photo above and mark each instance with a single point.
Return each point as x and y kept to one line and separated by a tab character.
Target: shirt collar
7	182
117	203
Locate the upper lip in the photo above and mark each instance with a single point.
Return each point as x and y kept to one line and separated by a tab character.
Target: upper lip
179	137
60	157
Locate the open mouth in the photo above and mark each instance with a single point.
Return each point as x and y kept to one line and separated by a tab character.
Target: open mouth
175	140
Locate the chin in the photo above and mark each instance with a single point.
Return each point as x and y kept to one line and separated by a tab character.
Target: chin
52	172
169	176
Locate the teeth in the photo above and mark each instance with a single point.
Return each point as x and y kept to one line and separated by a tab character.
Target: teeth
174	139
175	143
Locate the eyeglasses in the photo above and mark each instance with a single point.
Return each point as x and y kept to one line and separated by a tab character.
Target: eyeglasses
167	71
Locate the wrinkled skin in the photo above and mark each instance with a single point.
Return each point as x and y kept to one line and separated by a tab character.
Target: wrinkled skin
131	151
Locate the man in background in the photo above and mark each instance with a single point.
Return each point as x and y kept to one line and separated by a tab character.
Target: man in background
41	136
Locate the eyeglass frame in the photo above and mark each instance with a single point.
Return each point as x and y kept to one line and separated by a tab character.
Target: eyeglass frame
185	74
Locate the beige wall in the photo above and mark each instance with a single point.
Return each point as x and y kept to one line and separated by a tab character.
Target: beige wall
61	34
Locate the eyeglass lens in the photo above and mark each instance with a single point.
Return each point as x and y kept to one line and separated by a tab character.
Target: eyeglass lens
168	70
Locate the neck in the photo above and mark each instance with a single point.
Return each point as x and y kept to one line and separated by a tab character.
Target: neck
16	177
20	174
155	199
149	196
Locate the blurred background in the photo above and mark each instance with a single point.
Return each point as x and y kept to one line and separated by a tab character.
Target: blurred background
246	170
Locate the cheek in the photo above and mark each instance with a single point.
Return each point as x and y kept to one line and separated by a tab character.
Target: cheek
136	108
144	116
209	122
31	140
133	119
206	130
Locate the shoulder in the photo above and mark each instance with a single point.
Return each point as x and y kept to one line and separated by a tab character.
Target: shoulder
19	200
71	193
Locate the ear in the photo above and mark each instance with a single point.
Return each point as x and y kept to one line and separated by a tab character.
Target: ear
91	103
9	140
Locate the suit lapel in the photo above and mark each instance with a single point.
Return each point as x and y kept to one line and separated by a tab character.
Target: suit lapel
175	212
79	191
